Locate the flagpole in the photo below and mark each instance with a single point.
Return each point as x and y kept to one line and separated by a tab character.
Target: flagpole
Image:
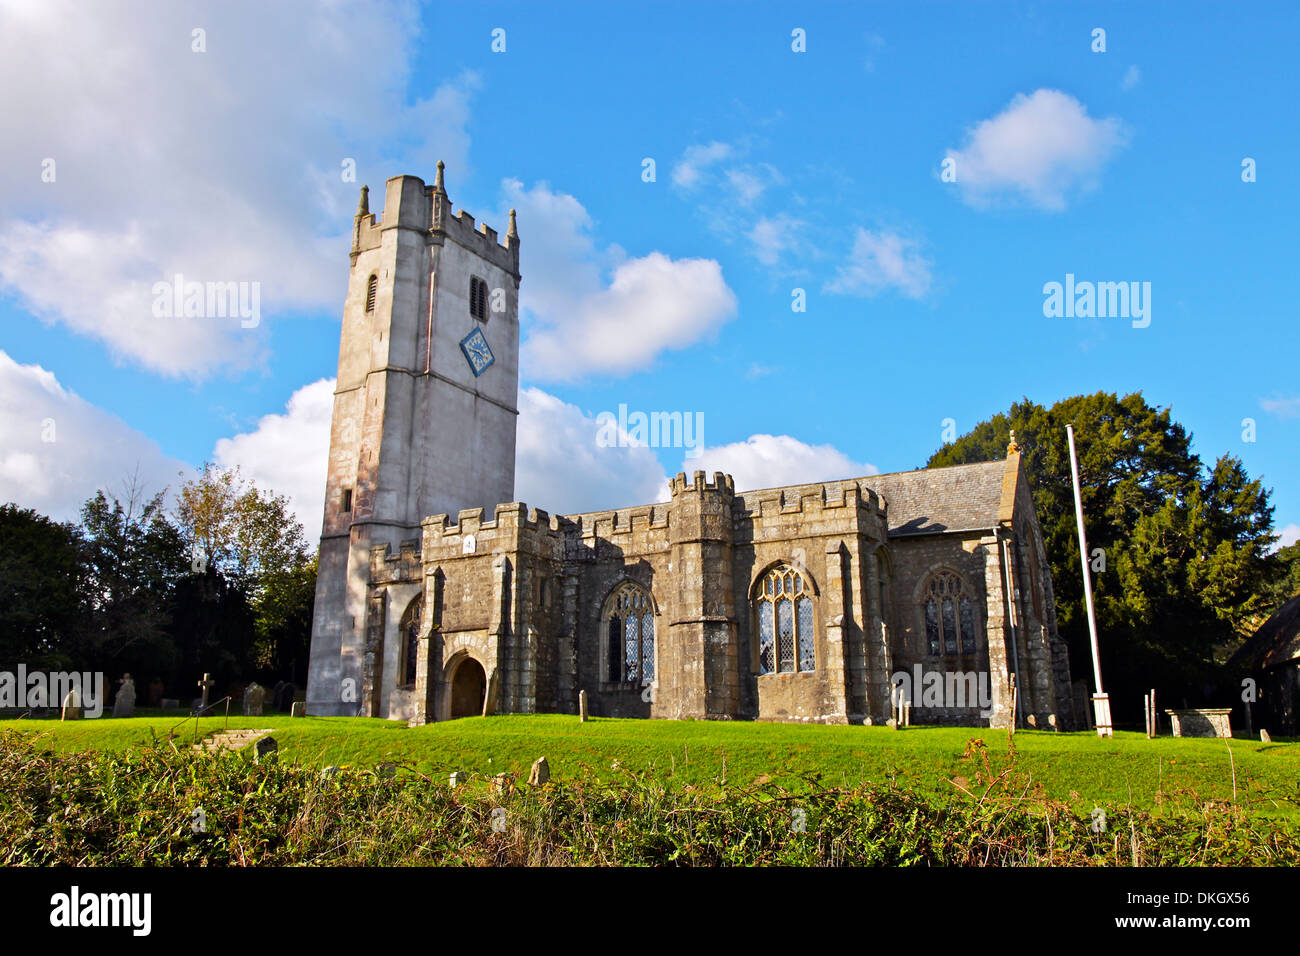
1100	700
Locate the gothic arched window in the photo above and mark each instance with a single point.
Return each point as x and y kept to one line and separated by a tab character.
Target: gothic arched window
786	634
410	631
629	629
372	287
950	617
478	298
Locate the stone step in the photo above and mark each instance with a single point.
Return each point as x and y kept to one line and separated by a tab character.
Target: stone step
228	740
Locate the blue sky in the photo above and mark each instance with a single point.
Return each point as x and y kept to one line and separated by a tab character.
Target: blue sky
775	170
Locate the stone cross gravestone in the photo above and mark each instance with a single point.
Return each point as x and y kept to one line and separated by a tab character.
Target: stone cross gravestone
71	706
254	695
205	685
124	703
265	750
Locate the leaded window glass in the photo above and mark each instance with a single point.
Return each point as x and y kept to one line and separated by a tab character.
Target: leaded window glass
629	617
805	633
787	635
766	637
950	617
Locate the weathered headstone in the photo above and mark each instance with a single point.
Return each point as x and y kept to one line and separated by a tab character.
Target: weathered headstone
254	695
169	703
71	706
299	708
1201	722
205	685
1264	736
265	750
282	697
124	703
540	774
582	706
503	781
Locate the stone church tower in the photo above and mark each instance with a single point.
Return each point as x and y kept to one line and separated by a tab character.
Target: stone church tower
424	409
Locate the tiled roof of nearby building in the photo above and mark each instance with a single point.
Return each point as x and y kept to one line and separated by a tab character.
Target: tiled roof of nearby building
932	500
1276	642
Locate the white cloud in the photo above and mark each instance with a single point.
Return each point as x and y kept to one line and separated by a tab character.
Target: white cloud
771	461
1281	407
1132	76
772	236
880	261
90	448
205	164
577	322
689	171
288	453
1041	148
559	466
1289	536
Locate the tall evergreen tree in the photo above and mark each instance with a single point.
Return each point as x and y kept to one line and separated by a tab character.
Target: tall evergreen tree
1183	550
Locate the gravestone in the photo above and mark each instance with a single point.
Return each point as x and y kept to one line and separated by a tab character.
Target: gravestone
540	773
282	697
205	685
582	706
170	703
71	706
299	708
265	750
124	703
1264	736
1201	722
457	778
156	691
503	781
254	695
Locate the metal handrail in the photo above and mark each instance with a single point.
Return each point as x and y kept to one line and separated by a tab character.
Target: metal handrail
171	734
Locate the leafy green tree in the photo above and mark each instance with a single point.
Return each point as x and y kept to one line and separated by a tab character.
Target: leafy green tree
133	558
284	620
248	535
252	540
40	589
1185	549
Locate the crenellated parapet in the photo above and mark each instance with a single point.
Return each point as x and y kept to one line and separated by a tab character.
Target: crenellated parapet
513	526
404	567
410	204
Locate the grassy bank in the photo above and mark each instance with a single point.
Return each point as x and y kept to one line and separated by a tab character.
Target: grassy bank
168	806
1077	769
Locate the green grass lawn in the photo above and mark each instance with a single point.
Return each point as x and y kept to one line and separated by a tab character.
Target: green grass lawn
1079	768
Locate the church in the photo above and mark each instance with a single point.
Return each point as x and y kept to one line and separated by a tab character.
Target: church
438	596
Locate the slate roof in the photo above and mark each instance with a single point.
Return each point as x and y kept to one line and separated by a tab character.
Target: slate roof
1276	642
934	500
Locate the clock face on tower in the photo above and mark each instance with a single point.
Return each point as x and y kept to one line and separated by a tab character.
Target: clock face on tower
476	351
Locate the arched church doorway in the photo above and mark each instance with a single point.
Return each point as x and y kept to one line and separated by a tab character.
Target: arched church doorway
468	685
